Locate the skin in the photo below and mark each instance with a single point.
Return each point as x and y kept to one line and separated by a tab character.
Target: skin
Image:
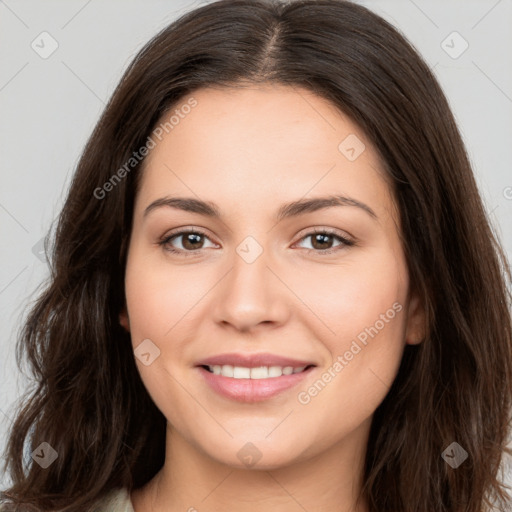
250	150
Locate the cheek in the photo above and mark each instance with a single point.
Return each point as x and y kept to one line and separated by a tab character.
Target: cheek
349	297
158	295
364	307
362	311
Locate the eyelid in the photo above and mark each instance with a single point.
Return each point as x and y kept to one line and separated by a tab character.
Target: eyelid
329	231
183	230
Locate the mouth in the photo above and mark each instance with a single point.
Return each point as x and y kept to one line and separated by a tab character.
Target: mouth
253	378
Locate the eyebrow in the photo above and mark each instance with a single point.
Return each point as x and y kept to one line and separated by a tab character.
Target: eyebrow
293	209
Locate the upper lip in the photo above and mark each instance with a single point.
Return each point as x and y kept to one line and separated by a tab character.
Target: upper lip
253	360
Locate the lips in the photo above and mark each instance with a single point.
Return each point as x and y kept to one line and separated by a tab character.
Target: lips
238	376
254	360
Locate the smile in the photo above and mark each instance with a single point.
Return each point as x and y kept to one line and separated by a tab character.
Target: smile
243	384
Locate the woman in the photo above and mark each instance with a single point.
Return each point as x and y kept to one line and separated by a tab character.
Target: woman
274	284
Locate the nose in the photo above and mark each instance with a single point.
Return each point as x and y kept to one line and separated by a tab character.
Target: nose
251	295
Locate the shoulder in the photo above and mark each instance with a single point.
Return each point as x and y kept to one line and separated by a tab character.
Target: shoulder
117	500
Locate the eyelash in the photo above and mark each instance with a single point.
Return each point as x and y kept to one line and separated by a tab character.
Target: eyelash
345	242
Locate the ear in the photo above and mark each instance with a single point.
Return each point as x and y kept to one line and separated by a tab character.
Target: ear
416	321
124	320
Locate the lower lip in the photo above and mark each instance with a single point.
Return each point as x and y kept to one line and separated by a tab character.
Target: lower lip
252	390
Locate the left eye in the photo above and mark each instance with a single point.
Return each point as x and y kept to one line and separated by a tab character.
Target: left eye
322	241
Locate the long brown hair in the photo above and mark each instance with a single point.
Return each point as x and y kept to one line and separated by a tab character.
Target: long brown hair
88	401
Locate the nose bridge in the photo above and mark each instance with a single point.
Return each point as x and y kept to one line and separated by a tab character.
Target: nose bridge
250	293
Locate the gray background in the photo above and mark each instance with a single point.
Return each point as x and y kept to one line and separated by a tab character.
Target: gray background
49	107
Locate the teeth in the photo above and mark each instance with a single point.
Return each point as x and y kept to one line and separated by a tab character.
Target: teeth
226	370
260	372
241	373
275	371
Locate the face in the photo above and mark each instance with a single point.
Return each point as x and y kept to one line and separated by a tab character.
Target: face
293	265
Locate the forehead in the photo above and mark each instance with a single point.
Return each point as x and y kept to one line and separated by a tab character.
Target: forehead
261	143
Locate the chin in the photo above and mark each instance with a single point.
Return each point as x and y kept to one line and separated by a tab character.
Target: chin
253	452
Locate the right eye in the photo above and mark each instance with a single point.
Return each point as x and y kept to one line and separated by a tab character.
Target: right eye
191	241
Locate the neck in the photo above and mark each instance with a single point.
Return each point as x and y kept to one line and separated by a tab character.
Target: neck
192	481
